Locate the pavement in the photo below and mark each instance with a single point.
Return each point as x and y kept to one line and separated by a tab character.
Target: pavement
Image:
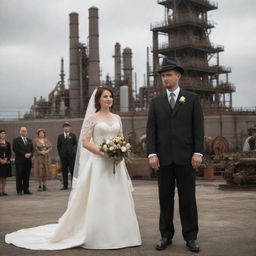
227	220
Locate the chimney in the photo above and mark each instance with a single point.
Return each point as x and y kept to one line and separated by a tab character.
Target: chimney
94	60
74	86
62	75
117	58
127	68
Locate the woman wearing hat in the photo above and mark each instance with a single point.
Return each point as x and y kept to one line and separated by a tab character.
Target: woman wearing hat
42	159
5	163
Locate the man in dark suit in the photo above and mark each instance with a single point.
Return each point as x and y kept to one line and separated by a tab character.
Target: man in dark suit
23	149
67	144
175	146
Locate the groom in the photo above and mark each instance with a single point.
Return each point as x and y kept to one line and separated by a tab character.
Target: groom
175	145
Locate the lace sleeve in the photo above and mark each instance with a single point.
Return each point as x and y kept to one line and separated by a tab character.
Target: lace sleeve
88	128
121	134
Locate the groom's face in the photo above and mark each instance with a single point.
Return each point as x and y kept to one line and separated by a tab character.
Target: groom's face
170	79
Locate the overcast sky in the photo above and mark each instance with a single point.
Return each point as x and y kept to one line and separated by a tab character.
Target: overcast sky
34	37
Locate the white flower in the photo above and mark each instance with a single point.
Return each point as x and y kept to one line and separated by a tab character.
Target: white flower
123	149
128	146
182	99
107	142
111	148
105	148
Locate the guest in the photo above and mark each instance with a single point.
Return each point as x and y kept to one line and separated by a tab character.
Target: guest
5	161
23	149
67	144
42	159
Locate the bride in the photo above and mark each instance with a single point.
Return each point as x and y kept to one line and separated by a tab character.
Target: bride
100	212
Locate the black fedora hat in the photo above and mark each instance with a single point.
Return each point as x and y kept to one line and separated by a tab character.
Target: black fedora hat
170	63
66	124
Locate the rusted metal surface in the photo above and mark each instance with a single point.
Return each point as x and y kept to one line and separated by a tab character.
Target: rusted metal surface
241	172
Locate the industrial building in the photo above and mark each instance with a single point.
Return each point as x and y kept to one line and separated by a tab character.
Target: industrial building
184	34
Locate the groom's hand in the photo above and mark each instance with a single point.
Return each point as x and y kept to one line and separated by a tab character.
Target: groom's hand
154	162
196	160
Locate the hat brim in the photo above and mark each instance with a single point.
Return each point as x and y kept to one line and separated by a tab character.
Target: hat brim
64	125
168	68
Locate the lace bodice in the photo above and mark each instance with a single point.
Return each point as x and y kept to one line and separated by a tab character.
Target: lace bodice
98	130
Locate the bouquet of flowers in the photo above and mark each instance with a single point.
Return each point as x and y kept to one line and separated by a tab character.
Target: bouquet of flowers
117	148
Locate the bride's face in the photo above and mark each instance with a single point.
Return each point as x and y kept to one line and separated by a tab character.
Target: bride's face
106	99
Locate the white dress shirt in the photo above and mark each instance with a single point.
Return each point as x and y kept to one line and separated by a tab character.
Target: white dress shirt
175	92
24	140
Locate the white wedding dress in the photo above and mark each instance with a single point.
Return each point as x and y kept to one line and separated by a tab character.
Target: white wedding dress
100	212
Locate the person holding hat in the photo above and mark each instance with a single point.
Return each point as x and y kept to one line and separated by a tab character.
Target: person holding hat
42	160
175	133
66	145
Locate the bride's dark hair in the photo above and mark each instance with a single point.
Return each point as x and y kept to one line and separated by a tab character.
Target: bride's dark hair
99	93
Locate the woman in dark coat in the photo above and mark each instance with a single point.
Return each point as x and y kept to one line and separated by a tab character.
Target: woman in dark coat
5	161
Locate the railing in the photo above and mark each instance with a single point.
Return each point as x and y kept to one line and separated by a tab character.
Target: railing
12	113
244	109
226	86
223	110
193	41
183	19
205	66
190	83
205	2
204	85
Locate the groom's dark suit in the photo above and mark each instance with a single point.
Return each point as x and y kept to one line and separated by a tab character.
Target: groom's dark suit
175	135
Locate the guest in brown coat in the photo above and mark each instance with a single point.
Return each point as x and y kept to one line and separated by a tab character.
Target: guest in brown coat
42	159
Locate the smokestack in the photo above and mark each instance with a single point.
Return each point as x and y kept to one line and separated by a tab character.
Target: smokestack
117	58
127	68
155	59
62	74
94	60
74	65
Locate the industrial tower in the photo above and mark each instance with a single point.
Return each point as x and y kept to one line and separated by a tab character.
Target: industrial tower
186	31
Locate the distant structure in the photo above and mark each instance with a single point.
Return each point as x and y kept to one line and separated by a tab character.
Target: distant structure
186	29
123	81
184	34
84	76
84	63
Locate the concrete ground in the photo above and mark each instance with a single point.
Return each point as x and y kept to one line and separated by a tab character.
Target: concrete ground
227	220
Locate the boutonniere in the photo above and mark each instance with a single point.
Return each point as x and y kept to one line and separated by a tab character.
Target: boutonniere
182	99
69	137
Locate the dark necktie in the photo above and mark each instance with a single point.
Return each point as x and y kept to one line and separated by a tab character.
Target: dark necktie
172	100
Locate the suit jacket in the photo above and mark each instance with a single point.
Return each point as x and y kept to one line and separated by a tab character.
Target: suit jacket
20	149
174	135
67	147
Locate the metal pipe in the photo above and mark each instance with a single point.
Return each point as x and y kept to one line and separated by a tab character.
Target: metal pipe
94	59
74	87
